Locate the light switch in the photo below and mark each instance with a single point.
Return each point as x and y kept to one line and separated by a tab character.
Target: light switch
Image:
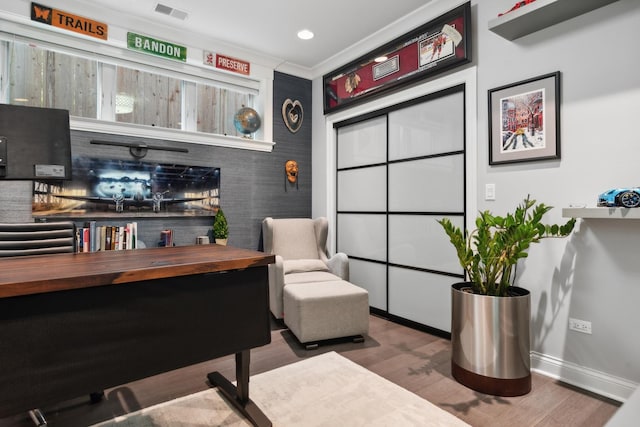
489	191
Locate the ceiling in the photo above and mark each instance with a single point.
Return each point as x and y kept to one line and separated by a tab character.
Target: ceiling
269	27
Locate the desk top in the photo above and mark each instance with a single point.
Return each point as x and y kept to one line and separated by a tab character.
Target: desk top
49	273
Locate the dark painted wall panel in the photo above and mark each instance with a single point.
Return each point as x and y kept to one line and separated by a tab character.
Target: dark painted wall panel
296	200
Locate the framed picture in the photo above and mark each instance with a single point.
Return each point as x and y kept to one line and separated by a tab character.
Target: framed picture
437	46
524	120
108	188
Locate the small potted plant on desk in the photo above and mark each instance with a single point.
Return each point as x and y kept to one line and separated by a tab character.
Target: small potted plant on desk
220	228
489	316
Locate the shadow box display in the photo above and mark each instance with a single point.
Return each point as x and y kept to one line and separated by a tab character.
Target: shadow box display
432	48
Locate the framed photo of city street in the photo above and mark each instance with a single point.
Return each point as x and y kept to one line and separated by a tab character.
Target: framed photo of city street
435	47
524	120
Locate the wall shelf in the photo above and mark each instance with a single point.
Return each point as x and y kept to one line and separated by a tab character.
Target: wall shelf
602	213
541	14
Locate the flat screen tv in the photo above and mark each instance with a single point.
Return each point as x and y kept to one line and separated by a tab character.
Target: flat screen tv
35	143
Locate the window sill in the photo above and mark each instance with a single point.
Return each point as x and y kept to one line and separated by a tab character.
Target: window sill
128	129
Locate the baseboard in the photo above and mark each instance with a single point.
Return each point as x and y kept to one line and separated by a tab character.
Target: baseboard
594	381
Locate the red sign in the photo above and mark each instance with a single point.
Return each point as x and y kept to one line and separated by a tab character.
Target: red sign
232	64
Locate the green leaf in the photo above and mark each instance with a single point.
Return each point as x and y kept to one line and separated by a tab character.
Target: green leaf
490	253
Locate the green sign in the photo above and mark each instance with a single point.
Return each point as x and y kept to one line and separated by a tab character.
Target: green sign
156	47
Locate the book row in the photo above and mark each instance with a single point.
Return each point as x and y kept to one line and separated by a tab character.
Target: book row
93	238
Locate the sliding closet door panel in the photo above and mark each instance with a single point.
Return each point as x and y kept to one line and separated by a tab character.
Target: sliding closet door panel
428	185
362	190
372	277
421	297
433	127
419	241
399	170
363	235
363	143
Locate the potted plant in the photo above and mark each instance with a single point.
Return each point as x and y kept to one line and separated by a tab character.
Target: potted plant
220	228
489	315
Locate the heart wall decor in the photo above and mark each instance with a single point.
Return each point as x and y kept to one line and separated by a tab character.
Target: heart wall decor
292	114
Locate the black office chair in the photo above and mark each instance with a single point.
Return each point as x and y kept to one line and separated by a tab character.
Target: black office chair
39	238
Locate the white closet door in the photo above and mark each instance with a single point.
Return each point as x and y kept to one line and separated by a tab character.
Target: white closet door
362	205
419	241
363	190
363	235
397	174
426	182
434	184
363	143
421	297
372	277
433	127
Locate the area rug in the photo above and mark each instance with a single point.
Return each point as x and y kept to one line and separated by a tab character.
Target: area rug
325	390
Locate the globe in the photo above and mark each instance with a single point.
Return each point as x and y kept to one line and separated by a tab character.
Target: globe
247	120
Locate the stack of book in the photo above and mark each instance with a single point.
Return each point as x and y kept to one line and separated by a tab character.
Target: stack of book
93	238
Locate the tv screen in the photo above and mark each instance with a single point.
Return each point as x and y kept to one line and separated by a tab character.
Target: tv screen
35	143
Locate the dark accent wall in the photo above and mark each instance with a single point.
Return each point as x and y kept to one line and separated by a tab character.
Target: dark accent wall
252	184
295	200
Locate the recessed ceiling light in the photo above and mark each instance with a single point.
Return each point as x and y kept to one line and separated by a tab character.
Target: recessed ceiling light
305	34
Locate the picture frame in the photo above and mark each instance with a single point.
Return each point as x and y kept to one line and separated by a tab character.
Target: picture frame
435	47
524	120
114	188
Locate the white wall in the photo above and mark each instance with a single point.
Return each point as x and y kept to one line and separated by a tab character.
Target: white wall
593	275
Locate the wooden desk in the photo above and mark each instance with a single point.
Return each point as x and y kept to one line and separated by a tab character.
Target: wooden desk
72	324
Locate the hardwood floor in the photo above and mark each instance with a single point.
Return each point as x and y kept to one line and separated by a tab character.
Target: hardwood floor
413	359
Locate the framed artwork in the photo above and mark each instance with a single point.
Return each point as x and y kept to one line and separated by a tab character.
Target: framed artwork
432	48
524	120
108	188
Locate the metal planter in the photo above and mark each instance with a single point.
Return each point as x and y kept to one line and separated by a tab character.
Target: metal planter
490	341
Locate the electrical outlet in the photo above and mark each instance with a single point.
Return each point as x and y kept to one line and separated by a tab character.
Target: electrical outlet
578	325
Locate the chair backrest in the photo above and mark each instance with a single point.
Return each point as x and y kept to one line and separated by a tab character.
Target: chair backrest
36	238
295	238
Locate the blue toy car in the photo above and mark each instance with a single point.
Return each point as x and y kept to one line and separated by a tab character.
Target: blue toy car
625	197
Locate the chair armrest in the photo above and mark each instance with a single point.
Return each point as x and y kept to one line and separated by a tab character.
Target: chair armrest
339	265
276	285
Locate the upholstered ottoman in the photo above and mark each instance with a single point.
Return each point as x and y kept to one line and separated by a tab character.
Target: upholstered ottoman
319	311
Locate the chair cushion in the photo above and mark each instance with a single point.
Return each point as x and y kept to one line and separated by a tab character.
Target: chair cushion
295	238
310	276
303	265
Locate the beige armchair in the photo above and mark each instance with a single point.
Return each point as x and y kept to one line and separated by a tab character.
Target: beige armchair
299	246
306	285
